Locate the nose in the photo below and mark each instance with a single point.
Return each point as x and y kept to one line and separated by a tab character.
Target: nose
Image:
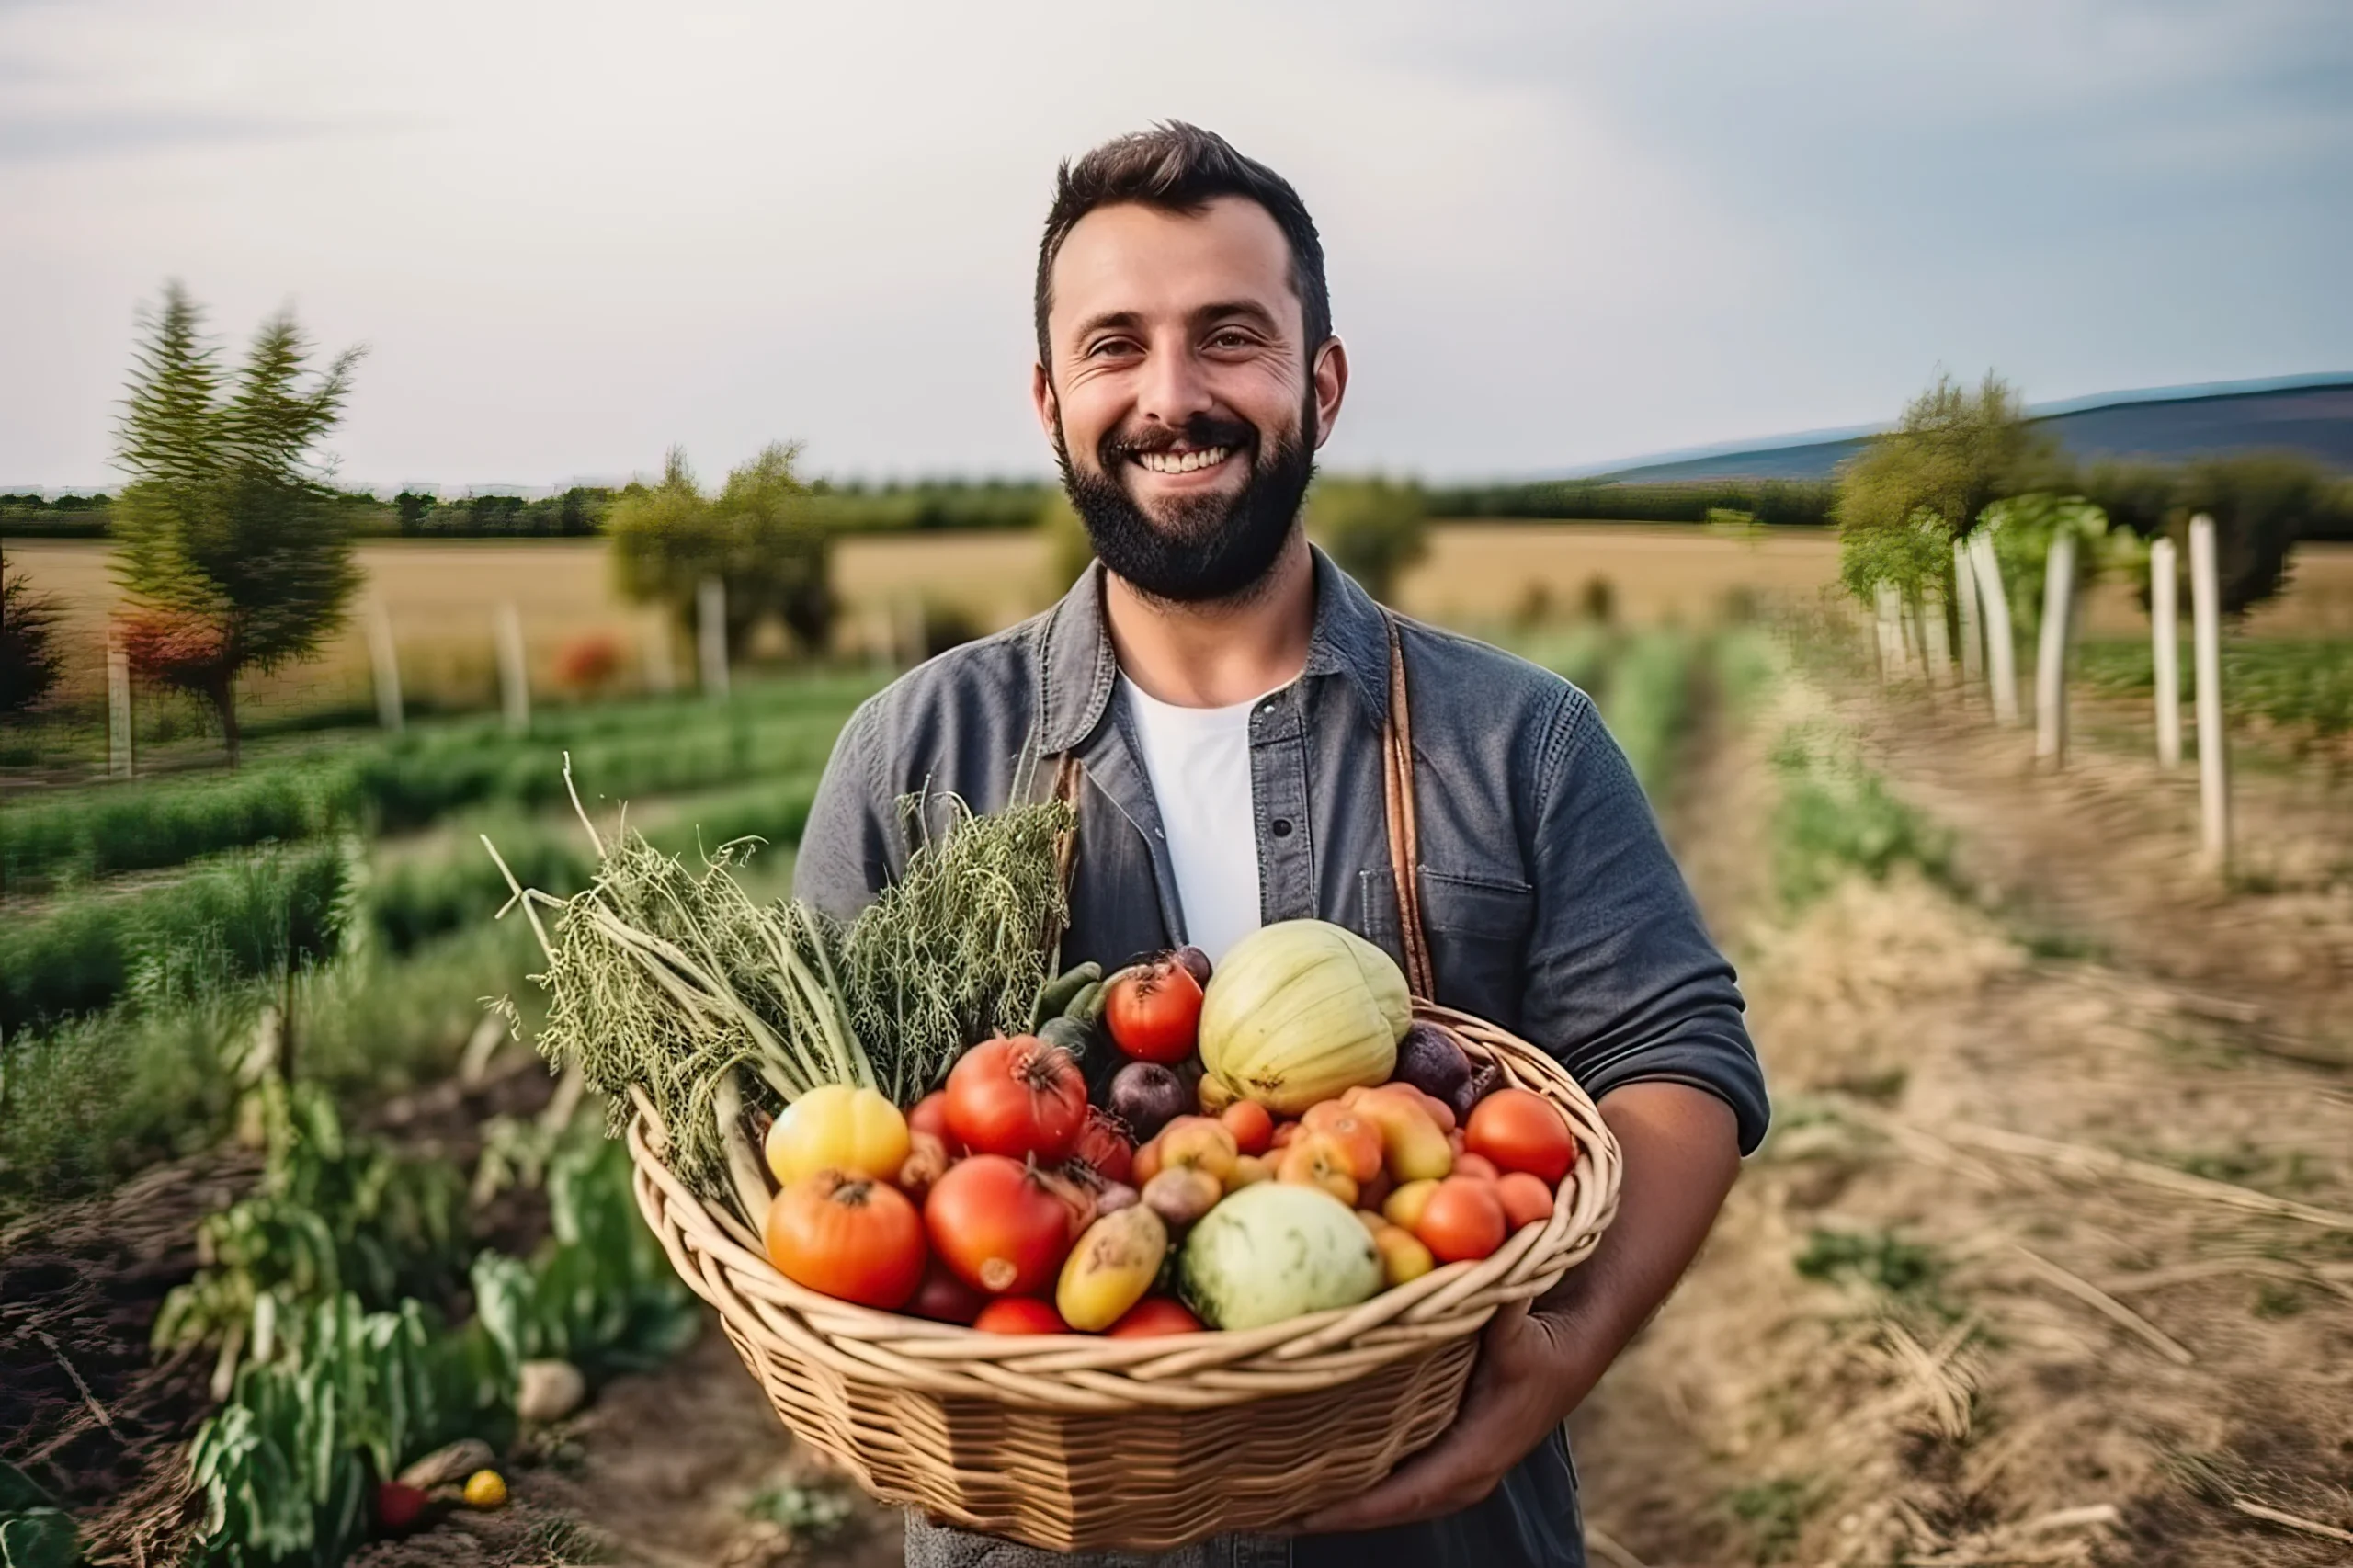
1173	390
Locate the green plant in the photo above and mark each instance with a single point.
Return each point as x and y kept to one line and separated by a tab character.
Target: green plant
1881	1259
810	1512
34	1531
1775	1512
333	1215
227	540
29	662
763	536
1373	528
1837	816
1910	489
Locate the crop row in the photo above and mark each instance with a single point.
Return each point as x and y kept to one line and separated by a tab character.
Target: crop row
254	913
618	752
2291	683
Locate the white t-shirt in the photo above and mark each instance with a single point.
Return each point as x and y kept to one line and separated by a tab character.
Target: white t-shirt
1198	762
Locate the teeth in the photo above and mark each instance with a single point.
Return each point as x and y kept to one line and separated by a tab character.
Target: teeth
1182	462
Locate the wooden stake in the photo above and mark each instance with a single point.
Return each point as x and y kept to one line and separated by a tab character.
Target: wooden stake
1972	644
2051	652
122	740
2213	745
386	659
711	636
513	676
2164	646
2001	659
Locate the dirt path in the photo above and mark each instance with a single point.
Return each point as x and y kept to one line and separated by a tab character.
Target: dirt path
2051	1257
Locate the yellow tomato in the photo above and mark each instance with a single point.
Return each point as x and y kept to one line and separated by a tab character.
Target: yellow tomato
485	1489
836	1127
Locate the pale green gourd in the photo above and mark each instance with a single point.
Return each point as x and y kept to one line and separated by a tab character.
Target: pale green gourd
1301	1011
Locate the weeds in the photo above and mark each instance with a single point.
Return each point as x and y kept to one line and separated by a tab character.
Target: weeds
1837	816
1881	1259
1775	1513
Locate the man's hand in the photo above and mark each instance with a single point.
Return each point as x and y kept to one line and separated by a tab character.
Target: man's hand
1530	1373
1682	1151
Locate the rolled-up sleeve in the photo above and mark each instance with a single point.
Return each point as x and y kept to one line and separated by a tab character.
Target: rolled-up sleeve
1624	983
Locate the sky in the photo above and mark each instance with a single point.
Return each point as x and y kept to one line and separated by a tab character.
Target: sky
1560	235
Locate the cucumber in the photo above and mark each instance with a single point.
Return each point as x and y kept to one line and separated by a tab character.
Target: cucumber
1054	996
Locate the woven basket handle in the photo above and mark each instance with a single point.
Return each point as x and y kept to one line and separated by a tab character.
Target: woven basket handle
1404	835
1404	838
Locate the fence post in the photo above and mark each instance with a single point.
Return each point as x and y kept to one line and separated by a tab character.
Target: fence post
386	660
1933	637
514	675
123	738
2001	659
1888	608
661	671
711	636
1964	588
2051	653
2165	638
2213	747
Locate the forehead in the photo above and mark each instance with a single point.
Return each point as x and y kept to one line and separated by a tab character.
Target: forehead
1148	261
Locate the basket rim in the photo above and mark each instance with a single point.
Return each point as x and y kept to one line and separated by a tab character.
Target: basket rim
723	1263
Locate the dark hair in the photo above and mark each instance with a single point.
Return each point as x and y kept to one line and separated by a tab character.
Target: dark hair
1182	168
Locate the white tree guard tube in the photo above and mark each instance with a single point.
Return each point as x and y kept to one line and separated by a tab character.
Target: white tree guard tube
2213	747
1972	640
2001	660
2051	651
2164	648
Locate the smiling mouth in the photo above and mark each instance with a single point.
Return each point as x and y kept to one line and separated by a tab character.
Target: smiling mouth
1183	462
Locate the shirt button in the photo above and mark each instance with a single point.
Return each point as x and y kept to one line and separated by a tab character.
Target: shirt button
1280	827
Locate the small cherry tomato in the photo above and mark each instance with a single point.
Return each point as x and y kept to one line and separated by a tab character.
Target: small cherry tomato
1525	1200
1153	1316
1522	1132
1020	1315
1252	1124
1462	1219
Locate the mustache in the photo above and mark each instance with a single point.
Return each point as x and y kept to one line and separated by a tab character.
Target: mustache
1202	430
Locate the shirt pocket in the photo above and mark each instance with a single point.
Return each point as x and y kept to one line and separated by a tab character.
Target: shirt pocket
1478	929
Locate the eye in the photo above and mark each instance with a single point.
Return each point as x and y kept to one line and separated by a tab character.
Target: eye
1232	337
1106	347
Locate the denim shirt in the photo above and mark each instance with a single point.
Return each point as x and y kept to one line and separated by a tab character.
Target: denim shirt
1551	906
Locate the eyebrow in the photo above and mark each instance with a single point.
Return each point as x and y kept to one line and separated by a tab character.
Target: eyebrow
1111	321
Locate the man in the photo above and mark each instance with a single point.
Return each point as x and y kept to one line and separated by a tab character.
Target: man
1221	686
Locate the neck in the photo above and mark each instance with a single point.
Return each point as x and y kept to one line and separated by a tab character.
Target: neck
1213	656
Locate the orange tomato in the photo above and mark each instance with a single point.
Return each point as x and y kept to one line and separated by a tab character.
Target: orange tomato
851	1238
1152	1317
1525	1200
1464	1218
1020	1315
1522	1132
1359	1135
1252	1124
1319	1161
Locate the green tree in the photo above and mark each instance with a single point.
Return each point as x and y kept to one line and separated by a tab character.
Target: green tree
1374	529
2261	504
29	664
1953	453
228	541
764	536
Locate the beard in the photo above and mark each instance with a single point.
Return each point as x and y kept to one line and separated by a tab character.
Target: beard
1208	548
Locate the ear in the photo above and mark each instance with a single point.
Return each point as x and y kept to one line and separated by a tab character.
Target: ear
1331	386
1041	396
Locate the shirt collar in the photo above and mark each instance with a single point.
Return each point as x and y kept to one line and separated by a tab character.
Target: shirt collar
1077	671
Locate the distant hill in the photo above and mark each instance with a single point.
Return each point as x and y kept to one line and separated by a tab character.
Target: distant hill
2313	415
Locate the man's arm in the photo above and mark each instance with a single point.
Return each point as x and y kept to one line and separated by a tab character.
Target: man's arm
1682	1151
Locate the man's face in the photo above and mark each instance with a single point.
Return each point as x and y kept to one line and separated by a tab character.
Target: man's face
1180	400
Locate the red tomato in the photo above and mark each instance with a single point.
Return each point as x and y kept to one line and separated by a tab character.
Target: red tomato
943	1297
848	1236
1105	1147
1020	1315
1522	1132
999	1225
1252	1124
1525	1200
1016	1097
1477	1167
1153	1011
930	1115
1464	1218
1152	1317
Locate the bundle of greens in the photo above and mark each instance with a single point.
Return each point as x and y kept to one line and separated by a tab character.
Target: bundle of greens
672	984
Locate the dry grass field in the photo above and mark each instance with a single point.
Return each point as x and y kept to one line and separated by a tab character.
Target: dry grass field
441	596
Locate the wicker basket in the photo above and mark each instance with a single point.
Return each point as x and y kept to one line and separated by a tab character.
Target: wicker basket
1085	1444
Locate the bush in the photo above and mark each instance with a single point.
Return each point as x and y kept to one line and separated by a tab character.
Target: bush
253	914
29	663
762	536
588	662
1374	529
